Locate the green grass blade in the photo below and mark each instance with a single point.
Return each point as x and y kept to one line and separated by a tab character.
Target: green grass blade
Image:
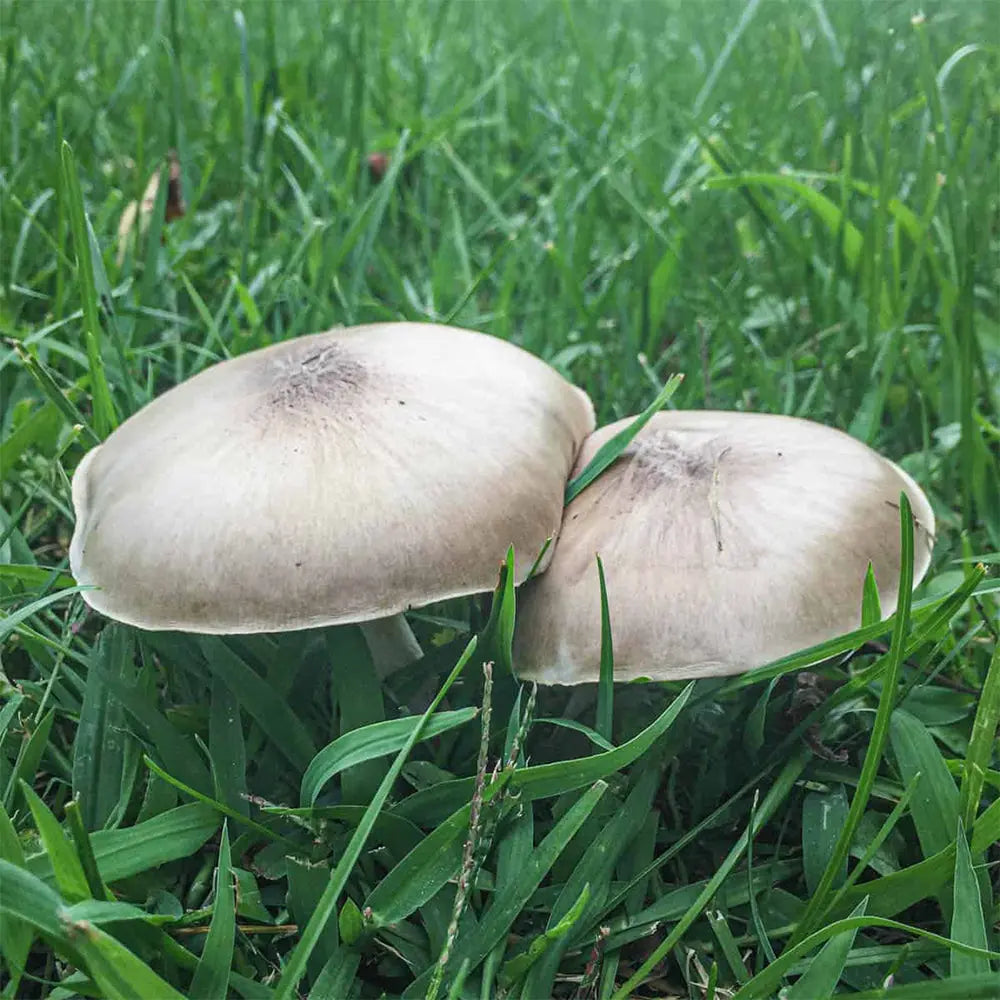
823	817
871	605
544	780
295	968
222	808
117	972
606	685
9	622
767	981
15	935
85	852
964	988
29	756
611	450
227	748
60	399
827	967
498	632
507	615
982	745
122	853
935	807
211	978
426	868
372	742
775	796
100	746
513	894
101	911
357	691
273	715
819	899
69	874
336	980
596	738
547	780
105	418
518	967
968	924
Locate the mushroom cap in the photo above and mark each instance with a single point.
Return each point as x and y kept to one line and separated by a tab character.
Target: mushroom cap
332	478
728	541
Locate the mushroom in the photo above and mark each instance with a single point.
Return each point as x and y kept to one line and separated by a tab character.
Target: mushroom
728	540
339	477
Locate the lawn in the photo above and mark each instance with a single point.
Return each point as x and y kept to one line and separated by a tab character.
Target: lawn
794	205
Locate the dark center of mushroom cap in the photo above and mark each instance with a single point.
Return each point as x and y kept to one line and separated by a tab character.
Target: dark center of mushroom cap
311	378
665	458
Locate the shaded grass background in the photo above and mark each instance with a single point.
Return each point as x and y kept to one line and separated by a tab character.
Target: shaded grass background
793	204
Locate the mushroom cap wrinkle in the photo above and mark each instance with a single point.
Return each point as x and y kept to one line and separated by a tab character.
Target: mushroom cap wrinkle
728	541
332	478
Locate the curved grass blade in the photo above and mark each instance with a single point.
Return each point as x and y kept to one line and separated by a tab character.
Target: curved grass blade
174	834
220	807
611	450
825	970
118	974
819	899
766	982
546	780
426	868
8	623
961	988
776	795
596	738
518	967
295	968
371	742
604	722
929	617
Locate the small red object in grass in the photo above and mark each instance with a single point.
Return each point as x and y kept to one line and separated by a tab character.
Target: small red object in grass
378	164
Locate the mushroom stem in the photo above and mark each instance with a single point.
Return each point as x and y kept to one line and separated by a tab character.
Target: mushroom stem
392	644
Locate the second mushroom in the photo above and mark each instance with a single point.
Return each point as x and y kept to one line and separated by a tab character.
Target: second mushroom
729	540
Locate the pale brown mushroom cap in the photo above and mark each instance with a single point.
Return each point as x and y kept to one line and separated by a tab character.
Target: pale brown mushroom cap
728	541
337	477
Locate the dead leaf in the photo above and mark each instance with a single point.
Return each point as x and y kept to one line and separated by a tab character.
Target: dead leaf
140	213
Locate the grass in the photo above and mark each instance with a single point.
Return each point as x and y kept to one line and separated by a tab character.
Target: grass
792	204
